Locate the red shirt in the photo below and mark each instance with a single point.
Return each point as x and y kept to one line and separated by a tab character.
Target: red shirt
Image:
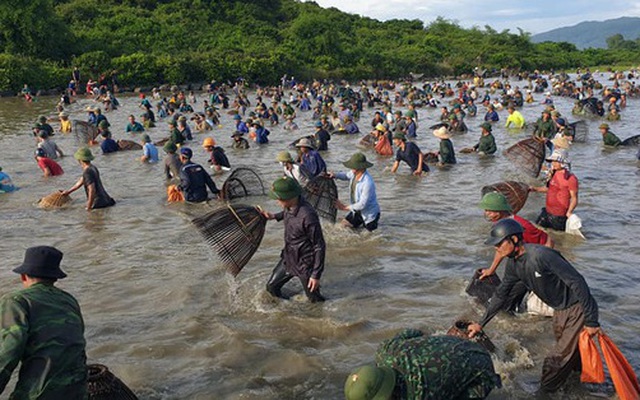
53	166
558	197
531	233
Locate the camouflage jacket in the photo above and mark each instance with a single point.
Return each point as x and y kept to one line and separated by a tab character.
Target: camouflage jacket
437	367
42	328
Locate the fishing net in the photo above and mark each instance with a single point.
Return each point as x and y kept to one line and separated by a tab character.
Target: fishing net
84	132
234	232
367	141
515	192
459	329
103	385
579	130
483	289
321	192
632	141
528	155
54	200
242	182
124	144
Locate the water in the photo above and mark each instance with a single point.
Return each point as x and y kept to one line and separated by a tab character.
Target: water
173	325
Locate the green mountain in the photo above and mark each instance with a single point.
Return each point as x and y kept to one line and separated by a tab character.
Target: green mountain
592	33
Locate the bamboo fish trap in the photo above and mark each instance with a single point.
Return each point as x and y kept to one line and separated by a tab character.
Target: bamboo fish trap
103	385
242	182
54	200
579	130
459	329
367	141
631	141
321	192
515	192
84	132
528	155
234	232
124	144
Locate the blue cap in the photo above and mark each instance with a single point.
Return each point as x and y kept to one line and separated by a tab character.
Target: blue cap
561	121
185	151
318	124
237	117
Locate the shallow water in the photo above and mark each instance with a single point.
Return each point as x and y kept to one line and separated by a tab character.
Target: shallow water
172	324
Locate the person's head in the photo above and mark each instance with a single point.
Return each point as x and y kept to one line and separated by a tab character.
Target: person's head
185	154
41	264
286	191
83	155
495	206
237	136
208	144
546	114
40	153
511	109
103	125
146	138
486	128
43	135
284	158
506	236
442	133
357	163
63	115
370	383
558	161
318	125
132	119
604	128
399	139
305	145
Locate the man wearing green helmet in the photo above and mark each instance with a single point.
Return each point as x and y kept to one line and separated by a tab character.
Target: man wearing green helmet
97	197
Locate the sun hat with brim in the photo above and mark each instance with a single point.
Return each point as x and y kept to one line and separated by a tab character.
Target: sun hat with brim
237	117
603	126
494	201
42	262
237	134
486	126
90	109
305	142
370	383
358	161
284	156
146	138
561	142
557	157
400	136
83	154
442	133
381	128
318	124
285	189
63	114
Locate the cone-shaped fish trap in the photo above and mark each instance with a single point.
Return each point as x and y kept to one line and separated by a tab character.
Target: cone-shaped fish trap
234	232
54	200
242	182
579	130
632	141
515	192
103	385
124	144
321	192
528	155
84	132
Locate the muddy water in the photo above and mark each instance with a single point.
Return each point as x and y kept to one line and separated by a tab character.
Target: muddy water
171	323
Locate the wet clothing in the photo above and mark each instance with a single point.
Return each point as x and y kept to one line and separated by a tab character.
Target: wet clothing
363	199
610	139
556	222
151	152
410	130
6	185
557	283
544	129
313	162
447	154
176	137
299	173
351	128
50	148
262	135
242	127
515	120
194	181
486	144
438	367
53	166
91	176
65	126
240	144
411	155
42	328
219	158
172	166
558	194
135	127
109	145
531	233
491	116
322	137
280	276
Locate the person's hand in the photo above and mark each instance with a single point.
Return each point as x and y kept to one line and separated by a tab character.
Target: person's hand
314	284
569	214
341	206
593	331
64	192
485	273
331	175
474	329
266	214
418	172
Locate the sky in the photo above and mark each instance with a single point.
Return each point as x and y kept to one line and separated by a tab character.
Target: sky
533	16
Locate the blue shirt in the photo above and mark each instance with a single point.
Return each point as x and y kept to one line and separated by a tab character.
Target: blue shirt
109	146
261	135
242	127
6	185
151	152
314	163
411	130
363	198
491	116
351	128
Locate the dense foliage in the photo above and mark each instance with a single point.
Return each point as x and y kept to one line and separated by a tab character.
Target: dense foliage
179	41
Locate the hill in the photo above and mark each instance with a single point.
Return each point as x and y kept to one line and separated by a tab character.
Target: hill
592	33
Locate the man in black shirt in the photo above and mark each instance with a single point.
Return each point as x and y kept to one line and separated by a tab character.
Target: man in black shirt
322	137
194	179
557	283
97	197
410	153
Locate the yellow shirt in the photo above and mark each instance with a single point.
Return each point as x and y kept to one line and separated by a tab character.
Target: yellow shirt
65	126
516	119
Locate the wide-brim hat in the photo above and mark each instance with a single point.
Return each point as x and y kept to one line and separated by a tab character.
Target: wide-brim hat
561	142
494	201
400	136
442	133
237	134
370	383
146	138
381	128
486	126
83	154
284	156
42	262
358	161
603	126
63	114
305	142
285	188
557	157
90	109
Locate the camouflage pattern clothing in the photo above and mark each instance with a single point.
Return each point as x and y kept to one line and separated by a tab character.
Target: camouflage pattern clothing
42	327
437	367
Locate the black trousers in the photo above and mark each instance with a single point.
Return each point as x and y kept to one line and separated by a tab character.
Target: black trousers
556	222
355	219
280	276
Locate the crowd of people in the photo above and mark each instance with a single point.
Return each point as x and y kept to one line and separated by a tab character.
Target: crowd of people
409	366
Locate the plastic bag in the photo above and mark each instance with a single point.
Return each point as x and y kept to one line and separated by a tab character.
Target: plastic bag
574	223
535	306
624	379
173	194
383	147
592	370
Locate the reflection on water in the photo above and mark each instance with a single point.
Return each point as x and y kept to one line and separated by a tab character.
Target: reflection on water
173	325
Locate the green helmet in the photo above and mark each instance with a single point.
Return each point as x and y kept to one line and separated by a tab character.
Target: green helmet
494	201
370	383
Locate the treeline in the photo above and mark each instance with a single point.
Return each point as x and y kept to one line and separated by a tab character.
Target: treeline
179	41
